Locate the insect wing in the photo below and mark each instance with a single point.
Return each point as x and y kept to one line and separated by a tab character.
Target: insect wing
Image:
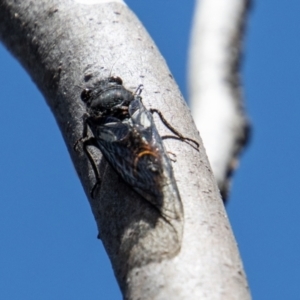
142	119
112	131
159	185
126	146
112	139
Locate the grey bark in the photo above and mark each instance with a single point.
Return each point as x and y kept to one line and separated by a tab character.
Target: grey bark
215	87
65	45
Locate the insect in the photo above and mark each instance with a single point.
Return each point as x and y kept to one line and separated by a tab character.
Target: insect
125	132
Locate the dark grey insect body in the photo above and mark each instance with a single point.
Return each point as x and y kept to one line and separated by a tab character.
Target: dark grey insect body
125	132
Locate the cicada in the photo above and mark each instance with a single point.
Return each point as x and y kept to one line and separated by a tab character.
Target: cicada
125	132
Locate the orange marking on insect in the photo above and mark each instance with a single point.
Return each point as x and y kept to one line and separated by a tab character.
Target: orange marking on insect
141	154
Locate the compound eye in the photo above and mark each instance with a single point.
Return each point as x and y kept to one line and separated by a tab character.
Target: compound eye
85	95
117	80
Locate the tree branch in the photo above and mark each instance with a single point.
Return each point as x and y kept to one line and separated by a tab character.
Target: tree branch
215	89
65	45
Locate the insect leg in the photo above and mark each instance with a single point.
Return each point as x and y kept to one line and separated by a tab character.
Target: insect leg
171	128
91	141
139	90
86	141
84	132
171	154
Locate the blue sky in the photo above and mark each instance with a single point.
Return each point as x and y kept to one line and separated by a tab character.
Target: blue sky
49	248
